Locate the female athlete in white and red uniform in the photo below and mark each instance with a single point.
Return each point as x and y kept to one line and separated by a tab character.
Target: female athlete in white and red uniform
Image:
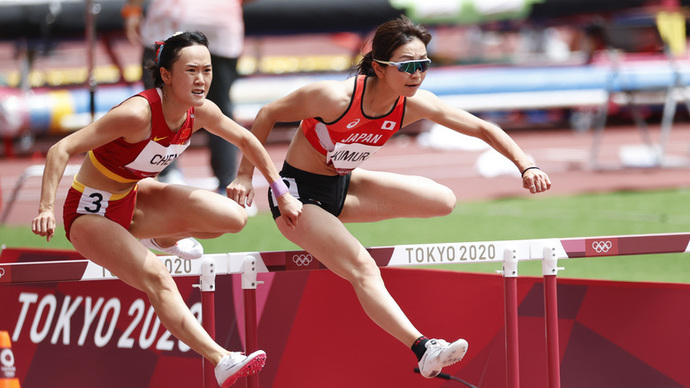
343	123
127	162
113	202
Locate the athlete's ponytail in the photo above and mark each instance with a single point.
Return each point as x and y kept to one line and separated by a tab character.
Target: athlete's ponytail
366	66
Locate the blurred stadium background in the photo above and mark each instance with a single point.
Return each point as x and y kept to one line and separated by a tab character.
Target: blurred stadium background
564	70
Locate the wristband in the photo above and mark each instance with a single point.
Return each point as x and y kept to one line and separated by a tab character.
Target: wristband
279	188
128	11
529	168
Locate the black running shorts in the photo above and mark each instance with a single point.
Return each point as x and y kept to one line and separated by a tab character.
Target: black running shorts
325	191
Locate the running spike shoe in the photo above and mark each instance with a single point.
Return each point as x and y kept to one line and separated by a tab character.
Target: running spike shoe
440	354
236	365
187	248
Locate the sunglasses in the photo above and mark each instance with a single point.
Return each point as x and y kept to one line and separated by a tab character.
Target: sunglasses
409	66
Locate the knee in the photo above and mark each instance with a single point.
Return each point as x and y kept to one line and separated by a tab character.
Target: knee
446	201
365	275
230	222
158	281
237	222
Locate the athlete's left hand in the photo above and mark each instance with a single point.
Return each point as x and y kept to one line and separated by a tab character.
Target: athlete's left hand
536	181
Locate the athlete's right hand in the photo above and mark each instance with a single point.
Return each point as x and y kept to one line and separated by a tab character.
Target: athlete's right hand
290	209
44	224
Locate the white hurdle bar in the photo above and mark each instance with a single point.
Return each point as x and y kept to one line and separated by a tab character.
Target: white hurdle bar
507	252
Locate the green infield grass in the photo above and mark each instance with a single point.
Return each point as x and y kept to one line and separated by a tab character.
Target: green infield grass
533	217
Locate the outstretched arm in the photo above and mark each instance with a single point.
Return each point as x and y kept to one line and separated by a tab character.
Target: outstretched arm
326	99
427	105
56	162
130	120
215	122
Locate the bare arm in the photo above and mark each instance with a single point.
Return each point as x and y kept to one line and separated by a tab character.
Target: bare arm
215	122
325	99
129	120
427	105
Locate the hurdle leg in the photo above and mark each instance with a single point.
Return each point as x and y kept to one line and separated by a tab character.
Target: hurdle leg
249	284
208	316
13	197
549	270
510	264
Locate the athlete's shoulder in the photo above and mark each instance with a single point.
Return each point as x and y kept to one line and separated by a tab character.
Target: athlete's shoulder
330	87
135	109
422	95
206	108
206	114
130	120
423	98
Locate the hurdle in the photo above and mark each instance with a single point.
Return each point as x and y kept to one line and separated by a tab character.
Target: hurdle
507	252
32	171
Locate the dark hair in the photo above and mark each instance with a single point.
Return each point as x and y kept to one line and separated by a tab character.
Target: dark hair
388	37
168	52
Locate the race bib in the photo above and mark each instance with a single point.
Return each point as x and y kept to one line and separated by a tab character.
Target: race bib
155	157
347	157
93	201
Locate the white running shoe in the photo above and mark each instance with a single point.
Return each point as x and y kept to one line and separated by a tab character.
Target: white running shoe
187	248
236	365
440	354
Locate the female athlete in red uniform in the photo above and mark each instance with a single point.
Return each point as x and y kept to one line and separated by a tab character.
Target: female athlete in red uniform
343	124
113	202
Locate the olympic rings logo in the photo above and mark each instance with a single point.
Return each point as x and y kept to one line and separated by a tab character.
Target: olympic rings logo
602	246
302	260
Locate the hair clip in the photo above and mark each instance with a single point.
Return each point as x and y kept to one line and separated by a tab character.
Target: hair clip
159	51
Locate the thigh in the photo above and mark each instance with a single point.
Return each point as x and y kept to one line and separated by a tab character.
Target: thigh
165	209
328	240
111	246
376	195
